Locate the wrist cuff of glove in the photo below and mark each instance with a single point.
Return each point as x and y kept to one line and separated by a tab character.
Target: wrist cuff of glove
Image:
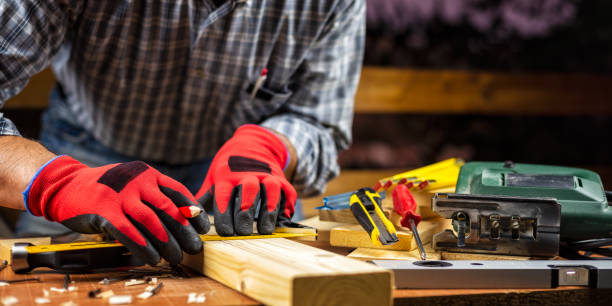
274	142
37	191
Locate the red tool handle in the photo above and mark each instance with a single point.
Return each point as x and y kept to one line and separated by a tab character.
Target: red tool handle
405	205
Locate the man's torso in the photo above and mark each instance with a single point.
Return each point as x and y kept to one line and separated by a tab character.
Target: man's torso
169	80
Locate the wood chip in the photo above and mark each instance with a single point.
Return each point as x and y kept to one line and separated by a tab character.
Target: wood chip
9	300
133	282
62	290
58	290
145	295
69	303
106	294
120	299
42	300
196	298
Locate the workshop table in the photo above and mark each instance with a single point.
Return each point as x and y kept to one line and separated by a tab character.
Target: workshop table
175	292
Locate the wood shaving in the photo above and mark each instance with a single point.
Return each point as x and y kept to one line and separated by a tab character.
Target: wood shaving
69	303
58	290
42	300
2	284
133	282
196	298
9	300
120	299
105	294
62	290
145	295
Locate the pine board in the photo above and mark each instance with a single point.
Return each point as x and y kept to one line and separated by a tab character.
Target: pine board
374	254
285	272
355	236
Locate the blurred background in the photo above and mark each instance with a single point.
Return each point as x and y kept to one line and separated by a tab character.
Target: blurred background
522	80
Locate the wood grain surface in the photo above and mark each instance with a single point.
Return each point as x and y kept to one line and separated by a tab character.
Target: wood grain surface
355	236
393	90
174	291
374	254
285	272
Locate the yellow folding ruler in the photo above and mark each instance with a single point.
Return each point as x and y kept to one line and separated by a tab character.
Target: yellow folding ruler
87	257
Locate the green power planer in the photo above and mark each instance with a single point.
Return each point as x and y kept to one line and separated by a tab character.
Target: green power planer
585	213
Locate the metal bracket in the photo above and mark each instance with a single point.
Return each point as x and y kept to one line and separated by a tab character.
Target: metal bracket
498	224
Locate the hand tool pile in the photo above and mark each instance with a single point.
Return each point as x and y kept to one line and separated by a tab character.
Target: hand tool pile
494	209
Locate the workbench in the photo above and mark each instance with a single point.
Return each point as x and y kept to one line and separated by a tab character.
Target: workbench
175	292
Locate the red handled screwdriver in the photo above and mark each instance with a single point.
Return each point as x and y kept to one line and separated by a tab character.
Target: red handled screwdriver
405	205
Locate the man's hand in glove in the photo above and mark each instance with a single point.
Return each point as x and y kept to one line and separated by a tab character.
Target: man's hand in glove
246	171
145	210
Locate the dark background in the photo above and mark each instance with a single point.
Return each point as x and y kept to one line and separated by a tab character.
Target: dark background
518	36
551	36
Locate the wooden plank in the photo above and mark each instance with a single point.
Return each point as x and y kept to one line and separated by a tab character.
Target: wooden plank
36	94
393	90
354	236
7	244
337	215
285	272
374	254
323	227
475	256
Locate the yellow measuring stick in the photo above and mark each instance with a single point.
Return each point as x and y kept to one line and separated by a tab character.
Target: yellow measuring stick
109	244
439	175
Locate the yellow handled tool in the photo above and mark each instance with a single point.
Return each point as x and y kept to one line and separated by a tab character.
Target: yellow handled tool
366	205
89	257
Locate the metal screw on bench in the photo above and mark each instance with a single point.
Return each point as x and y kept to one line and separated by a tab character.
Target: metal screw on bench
460	220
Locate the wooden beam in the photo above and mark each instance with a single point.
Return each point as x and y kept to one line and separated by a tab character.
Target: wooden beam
405	90
400	90
475	256
36	94
354	236
285	272
378	254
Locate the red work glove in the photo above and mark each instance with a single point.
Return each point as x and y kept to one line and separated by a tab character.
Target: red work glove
248	170
142	208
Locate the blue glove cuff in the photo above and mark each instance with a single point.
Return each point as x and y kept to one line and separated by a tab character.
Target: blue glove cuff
26	193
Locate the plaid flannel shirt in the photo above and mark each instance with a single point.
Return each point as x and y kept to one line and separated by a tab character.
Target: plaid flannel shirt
170	80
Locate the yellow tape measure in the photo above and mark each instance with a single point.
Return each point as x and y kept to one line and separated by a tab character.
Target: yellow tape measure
109	244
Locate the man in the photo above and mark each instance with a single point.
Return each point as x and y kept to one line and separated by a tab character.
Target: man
174	83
